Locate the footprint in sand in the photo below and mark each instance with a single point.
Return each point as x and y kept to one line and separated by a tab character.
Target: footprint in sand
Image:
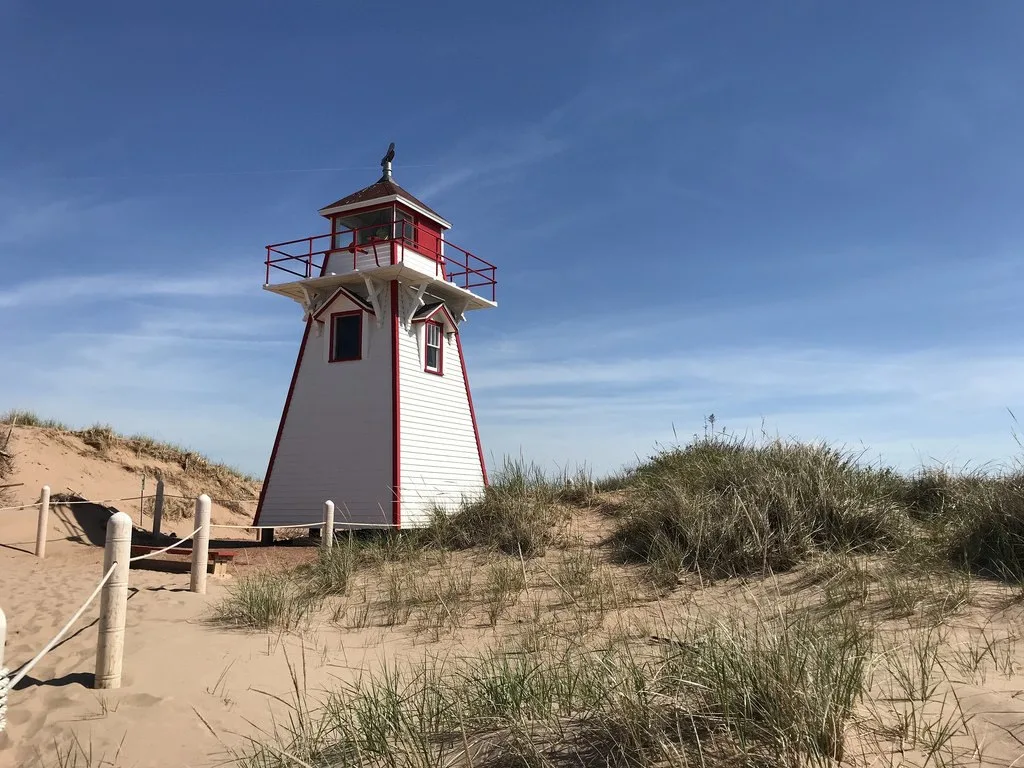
142	700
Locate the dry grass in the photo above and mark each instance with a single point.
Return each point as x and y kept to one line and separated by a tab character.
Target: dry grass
190	471
841	641
748	691
521	513
723	506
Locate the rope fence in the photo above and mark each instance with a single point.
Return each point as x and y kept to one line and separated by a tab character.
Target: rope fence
178	543
24	669
113	585
104	502
8	681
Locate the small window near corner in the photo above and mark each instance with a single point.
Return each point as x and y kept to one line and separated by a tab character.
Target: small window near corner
405	226
434	350
346	336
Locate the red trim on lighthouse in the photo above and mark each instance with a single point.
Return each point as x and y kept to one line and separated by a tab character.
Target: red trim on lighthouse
472	411
280	426
396	425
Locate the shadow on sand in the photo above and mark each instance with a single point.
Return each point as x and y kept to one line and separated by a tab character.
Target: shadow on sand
82	522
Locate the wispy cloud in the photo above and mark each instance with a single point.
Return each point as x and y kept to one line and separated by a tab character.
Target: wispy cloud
572	390
29	216
115	286
488	156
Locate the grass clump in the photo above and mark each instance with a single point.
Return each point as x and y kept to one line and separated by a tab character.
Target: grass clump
757	691
518	514
724	506
23	418
332	571
266	600
188	470
984	530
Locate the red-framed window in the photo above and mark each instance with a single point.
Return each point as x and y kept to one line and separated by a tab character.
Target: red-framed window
373	225
434	358
405	226
346	336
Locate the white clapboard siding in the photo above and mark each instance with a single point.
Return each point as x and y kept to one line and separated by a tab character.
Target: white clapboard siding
337	438
366	257
440	463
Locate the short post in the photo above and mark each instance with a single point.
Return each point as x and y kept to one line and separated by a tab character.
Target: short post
43	525
3	636
3	675
113	602
266	536
328	534
201	545
142	500
158	506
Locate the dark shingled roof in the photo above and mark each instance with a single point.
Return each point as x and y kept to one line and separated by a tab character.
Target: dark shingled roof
382	188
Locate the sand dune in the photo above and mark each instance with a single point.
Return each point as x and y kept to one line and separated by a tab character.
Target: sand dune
193	693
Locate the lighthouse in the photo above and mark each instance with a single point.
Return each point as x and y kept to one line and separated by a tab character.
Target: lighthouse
378	417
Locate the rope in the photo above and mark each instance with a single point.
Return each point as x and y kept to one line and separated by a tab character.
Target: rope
216	501
337	524
56	503
263	527
25	669
23	506
4	685
161	551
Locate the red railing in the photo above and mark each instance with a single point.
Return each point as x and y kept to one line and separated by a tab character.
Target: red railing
307	257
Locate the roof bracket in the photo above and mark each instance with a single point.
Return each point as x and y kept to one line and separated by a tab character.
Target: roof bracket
376	296
415	301
310	302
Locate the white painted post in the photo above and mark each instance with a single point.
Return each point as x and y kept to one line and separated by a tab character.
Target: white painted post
3	635
113	602
43	525
201	545
158	506
328	533
3	675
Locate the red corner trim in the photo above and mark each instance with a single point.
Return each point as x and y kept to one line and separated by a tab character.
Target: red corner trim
472	411
396	425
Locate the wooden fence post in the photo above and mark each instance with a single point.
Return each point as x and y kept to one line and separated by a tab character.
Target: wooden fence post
328	534
43	524
113	602
158	506
201	545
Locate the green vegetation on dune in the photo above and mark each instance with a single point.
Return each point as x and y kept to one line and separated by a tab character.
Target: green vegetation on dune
746	691
191	471
724	506
779	681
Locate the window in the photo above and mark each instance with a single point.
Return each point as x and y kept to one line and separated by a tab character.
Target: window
346	336
433	362
404	226
343	236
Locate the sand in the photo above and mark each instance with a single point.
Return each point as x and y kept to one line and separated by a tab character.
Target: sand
189	691
193	692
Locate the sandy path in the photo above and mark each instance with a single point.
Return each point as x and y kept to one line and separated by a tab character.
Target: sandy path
176	668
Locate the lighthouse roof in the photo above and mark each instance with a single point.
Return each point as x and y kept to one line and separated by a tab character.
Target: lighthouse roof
383	191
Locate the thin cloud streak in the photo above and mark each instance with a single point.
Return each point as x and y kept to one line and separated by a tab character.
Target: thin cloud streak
105	288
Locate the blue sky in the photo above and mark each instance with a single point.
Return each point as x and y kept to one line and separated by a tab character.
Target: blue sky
800	215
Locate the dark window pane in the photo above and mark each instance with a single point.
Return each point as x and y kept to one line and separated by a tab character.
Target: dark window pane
346	338
433	353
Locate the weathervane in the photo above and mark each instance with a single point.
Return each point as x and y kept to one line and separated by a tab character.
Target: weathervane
385	162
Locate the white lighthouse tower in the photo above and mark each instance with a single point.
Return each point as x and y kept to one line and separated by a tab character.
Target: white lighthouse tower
378	417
